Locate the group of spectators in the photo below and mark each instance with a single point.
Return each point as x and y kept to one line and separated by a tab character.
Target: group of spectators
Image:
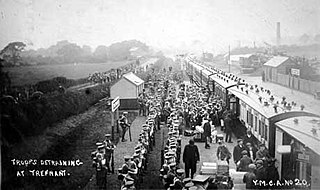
110	75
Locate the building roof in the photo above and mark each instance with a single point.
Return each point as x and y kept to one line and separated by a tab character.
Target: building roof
237	57
276	61
133	78
303	131
252	98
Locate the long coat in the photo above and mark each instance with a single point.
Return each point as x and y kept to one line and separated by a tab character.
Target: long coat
237	153
207	129
191	155
228	124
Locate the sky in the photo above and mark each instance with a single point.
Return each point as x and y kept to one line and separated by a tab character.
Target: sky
206	25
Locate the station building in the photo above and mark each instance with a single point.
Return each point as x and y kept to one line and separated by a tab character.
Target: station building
128	89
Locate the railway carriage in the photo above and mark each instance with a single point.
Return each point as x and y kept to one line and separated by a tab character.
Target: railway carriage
255	106
272	120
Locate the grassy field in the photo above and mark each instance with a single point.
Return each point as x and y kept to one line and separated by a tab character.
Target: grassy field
33	74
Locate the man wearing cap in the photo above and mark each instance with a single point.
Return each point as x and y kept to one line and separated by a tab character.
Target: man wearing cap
124	125
166	111
130	167
260	171
244	162
262	152
190	158
222	152
100	165
249	177
237	151
109	147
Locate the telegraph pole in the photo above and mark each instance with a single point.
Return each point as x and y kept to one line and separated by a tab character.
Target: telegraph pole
229	62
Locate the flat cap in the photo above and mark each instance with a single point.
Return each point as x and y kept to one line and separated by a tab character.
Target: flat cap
244	152
127	157
180	171
101	147
259	162
252	166
239	140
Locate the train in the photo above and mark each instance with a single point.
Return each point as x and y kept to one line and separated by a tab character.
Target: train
274	121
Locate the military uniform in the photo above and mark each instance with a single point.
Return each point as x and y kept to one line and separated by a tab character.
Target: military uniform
123	121
109	148
100	165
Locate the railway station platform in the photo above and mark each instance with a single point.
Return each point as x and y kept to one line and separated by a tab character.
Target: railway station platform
123	148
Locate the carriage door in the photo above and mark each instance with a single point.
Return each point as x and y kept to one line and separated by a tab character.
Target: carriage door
234	105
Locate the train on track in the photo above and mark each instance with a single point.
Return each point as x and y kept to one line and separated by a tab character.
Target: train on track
288	131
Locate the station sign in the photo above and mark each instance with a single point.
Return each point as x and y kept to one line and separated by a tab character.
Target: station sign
295	72
115	104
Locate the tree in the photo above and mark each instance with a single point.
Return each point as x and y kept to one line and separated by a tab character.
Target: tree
70	53
304	38
317	38
101	53
11	53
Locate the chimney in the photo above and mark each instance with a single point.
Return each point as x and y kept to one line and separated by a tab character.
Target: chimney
278	34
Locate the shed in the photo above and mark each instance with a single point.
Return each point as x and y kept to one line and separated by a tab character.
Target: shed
128	89
277	65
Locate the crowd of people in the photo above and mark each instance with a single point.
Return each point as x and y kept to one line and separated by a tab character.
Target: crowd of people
132	171
203	113
190	111
112	74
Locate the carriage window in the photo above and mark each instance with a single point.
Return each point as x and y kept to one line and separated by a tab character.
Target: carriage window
262	131
260	124
266	132
256	124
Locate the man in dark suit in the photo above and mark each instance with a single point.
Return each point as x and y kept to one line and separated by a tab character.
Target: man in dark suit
228	129
207	132
249	138
190	158
237	151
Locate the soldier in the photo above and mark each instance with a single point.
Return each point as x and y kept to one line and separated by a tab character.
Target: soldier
124	125
141	104
100	165
130	168
109	148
